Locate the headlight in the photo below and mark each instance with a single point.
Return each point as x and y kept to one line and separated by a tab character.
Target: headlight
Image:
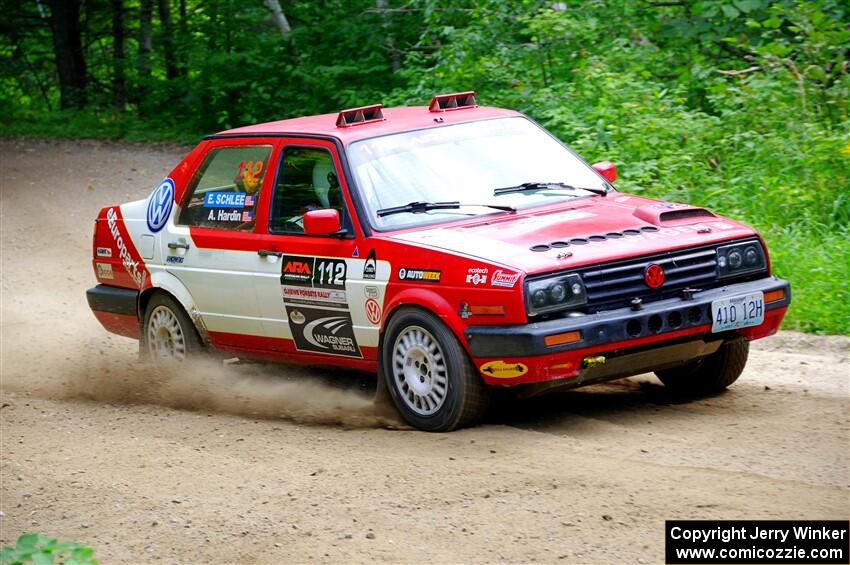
739	259
554	293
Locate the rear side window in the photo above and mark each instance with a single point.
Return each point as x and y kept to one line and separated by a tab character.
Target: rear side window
225	189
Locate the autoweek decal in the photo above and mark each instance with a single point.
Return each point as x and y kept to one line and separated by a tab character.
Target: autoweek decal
126	252
421	275
316	305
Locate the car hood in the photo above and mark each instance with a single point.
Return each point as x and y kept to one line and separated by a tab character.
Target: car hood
582	232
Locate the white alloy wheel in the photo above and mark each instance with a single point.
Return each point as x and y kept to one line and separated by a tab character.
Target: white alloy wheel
165	338
419	370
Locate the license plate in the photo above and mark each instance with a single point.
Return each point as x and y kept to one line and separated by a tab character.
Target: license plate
737	312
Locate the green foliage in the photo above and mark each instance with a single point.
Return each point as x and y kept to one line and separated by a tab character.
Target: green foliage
42	550
737	105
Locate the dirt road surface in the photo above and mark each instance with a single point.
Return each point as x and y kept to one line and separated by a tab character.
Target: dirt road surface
259	464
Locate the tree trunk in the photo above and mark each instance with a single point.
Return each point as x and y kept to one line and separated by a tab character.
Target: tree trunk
167	39
395	59
70	64
119	92
145	16
279	17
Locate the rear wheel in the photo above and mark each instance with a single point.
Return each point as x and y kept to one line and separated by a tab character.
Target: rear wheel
167	332
710	374
428	375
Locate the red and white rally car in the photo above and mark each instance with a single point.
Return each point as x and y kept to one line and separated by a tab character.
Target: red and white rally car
451	248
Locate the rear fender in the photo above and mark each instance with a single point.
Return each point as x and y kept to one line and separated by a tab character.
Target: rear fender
172	285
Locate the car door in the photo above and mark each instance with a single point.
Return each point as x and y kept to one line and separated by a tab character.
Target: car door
212	244
322	295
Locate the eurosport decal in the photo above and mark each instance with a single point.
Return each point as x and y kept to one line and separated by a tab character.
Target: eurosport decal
126	252
159	205
419	275
316	304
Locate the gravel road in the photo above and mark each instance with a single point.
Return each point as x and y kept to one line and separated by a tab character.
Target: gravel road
266	464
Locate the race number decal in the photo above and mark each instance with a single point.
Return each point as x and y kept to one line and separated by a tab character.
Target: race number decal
314	296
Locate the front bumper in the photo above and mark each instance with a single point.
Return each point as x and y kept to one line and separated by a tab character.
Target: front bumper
615	332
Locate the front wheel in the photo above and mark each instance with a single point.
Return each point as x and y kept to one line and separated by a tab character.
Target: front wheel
713	373
428	374
167	332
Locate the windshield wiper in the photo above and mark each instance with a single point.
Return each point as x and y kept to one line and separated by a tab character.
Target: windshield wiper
544	185
418	207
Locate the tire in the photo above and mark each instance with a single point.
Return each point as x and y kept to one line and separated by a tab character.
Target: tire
167	332
711	374
418	355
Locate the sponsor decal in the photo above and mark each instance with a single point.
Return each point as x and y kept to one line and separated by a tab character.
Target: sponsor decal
504	279
104	252
424	275
228	200
370	268
230	216
104	271
159	205
653	276
356	252
373	311
316	303
464	312
134	268
477	275
667	206
371	291
503	370
174	259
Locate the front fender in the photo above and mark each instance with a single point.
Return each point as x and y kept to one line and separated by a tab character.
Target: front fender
431	301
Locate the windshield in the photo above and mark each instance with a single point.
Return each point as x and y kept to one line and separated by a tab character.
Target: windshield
465	163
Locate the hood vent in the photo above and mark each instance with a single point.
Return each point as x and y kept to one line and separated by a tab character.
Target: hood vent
539	248
685	214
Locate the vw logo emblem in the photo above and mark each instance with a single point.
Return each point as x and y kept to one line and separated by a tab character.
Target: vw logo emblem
653	276
159	205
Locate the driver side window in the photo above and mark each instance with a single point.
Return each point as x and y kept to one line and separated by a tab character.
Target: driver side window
307	180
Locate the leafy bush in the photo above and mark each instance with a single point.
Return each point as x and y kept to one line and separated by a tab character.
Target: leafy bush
42	550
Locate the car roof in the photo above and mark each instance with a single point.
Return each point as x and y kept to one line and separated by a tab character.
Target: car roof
398	119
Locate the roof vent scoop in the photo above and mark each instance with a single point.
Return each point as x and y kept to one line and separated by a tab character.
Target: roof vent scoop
663	213
456	101
358	116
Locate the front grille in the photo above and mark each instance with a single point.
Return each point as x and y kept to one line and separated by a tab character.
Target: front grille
614	285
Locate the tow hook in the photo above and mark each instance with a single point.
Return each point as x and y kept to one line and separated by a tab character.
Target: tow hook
590	362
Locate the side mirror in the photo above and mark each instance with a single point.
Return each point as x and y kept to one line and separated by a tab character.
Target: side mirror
606	169
321	222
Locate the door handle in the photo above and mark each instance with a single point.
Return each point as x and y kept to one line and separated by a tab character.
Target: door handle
178	245
267	253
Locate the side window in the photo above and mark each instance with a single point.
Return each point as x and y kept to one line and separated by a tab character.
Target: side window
226	187
307	180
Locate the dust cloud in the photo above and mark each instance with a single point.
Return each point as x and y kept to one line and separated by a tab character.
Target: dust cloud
206	385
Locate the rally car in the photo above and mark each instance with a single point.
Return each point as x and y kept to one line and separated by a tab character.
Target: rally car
451	248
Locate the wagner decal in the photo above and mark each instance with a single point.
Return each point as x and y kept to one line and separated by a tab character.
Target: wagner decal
104	271
502	370
371	291
504	279
325	331
370	267
104	252
316	303
136	271
476	276
421	275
